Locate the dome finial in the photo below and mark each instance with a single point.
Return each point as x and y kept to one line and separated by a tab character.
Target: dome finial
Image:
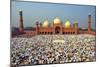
76	20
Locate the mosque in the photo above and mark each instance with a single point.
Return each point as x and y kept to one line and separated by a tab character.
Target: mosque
56	27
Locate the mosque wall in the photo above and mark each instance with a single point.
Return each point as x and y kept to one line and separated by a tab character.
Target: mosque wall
68	31
47	30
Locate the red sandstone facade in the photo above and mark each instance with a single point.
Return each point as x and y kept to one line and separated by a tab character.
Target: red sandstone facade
56	29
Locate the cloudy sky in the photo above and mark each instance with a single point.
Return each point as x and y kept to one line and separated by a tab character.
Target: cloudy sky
35	11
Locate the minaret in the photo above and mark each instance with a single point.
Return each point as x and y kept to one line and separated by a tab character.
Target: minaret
37	27
40	24
76	27
89	23
21	27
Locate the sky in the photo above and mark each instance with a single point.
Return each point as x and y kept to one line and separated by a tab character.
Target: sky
37	11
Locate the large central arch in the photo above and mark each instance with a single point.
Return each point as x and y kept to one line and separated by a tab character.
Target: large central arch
57	30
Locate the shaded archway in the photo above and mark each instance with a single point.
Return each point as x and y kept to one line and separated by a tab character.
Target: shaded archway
57	30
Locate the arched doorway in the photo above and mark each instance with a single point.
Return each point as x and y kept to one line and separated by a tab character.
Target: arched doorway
57	30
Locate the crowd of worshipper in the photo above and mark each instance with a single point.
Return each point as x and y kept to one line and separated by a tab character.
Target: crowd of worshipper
41	49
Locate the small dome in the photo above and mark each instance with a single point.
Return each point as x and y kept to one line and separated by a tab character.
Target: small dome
57	20
67	24
46	23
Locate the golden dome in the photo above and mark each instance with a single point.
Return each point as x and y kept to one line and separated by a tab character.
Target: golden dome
67	24
57	20
46	23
